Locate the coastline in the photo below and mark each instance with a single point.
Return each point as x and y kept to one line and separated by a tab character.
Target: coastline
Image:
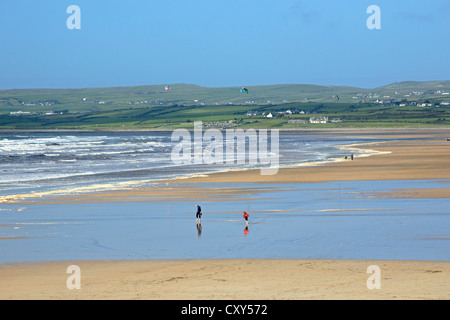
411	159
387	161
106	192
142	185
397	160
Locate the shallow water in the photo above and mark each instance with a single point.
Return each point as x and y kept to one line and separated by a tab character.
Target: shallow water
333	220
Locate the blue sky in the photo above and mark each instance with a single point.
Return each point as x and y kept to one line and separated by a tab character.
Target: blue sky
222	43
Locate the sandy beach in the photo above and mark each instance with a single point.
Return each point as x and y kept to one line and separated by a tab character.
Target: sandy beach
414	159
227	279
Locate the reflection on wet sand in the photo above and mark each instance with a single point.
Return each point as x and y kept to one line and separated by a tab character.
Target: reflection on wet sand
199	230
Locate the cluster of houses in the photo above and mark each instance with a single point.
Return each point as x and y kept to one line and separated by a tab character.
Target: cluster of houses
398	94
46	113
39	103
222	125
314	120
253	113
405	103
294	121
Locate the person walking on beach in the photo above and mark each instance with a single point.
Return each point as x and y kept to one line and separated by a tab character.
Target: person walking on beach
199	214
246	218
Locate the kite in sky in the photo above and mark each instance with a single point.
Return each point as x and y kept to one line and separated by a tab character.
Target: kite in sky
336	97
244	89
166	88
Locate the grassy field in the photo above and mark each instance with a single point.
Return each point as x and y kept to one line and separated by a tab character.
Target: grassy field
351	115
149	107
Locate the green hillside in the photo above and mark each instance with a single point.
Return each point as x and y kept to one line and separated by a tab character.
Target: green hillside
150	107
95	99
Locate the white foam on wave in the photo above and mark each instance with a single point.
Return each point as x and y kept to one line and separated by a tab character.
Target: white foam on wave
93	188
104	145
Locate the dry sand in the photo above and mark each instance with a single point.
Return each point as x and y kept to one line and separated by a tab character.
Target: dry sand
227	279
257	279
408	160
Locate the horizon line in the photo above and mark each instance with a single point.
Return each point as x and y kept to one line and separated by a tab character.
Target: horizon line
218	87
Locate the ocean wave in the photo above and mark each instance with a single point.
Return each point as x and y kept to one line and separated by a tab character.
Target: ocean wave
113	161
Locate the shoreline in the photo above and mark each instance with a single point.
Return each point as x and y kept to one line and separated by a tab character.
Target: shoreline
396	160
392	160
280	279
133	186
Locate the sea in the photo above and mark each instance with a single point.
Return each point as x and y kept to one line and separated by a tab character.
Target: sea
66	162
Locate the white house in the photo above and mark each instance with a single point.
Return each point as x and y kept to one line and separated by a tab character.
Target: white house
252	113
270	115
318	120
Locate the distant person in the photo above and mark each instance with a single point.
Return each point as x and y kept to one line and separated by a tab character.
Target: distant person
246	218
352	156
199	214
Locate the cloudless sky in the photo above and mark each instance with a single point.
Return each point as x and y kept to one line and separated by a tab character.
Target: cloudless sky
222	43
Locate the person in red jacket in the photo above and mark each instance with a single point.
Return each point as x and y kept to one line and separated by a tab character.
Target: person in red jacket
246	217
